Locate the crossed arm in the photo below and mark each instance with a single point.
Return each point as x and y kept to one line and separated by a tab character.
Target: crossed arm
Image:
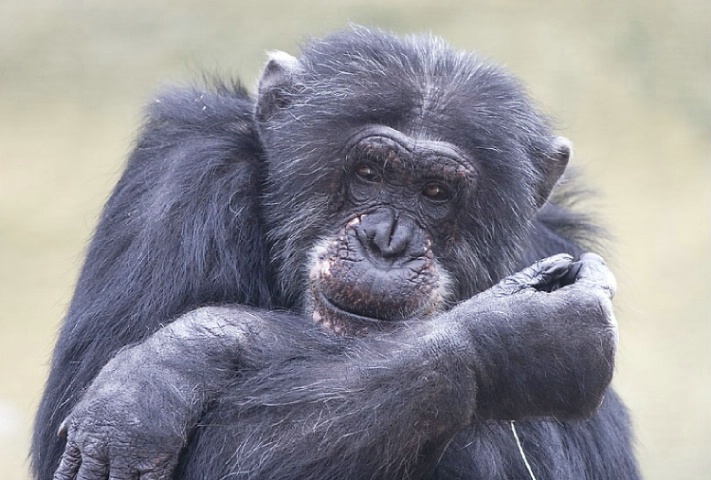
539	343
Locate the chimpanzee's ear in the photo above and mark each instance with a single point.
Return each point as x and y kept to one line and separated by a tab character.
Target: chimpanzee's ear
552	167
276	84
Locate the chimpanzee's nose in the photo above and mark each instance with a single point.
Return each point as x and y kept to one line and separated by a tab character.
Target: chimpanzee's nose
386	234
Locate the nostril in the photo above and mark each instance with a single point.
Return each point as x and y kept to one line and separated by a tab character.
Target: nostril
400	239
394	247
374	240
366	236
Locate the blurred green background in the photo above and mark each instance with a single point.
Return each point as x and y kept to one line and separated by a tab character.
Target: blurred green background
627	80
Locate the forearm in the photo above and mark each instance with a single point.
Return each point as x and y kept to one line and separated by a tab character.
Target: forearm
167	380
384	409
206	346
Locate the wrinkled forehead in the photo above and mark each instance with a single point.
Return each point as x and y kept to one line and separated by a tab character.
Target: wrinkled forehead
391	148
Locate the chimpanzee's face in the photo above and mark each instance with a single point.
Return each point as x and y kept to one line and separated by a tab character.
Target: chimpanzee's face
378	264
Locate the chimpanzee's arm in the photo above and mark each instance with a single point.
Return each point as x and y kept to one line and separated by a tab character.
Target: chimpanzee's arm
382	406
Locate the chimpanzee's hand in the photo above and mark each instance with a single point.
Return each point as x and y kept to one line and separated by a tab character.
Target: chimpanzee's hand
545	339
135	417
589	273
113	432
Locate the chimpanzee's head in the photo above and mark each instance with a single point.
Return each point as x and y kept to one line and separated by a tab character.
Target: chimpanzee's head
402	175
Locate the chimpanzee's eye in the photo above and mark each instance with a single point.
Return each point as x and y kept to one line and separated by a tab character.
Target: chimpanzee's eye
436	192
367	173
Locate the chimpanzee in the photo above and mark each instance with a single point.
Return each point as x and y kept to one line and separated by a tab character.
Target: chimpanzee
320	283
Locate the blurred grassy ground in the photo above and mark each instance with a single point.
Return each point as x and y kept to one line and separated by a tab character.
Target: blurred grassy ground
628	80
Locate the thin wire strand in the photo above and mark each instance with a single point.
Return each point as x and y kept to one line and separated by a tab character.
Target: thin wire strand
520	450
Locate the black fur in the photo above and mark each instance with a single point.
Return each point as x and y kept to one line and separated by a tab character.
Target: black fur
219	207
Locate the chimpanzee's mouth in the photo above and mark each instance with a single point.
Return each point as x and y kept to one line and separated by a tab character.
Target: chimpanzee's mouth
340	319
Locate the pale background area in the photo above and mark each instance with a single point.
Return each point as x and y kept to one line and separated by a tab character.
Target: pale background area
627	80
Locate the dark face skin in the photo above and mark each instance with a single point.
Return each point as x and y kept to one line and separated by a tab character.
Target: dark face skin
379	265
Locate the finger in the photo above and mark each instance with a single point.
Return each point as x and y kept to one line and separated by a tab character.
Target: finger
93	468
544	272
161	468
70	463
124	474
155	475
572	274
593	272
550	269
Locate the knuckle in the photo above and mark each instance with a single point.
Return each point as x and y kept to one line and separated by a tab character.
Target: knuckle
598	309
72	453
598	304
592	257
94	449
592	306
